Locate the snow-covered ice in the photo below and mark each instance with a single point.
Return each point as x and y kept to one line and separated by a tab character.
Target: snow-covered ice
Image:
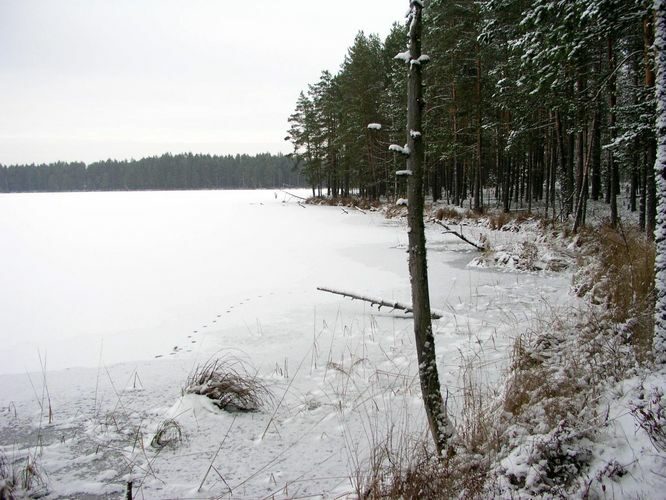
98	285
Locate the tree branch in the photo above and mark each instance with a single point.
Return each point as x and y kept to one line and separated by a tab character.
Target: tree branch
459	235
378	302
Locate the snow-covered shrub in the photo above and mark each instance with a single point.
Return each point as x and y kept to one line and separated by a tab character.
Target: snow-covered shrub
548	464
529	253
542	386
566	361
227	381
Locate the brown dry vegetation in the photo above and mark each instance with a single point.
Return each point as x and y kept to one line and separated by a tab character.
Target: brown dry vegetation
448	213
420	474
229	384
362	203
557	370
624	280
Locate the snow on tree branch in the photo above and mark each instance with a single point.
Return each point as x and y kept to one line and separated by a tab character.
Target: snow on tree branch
374	126
403	150
403	56
403	173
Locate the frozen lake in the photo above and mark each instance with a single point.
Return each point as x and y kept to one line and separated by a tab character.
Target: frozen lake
93	279
124	294
90	277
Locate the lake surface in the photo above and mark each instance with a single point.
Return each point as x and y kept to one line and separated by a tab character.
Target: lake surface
90	278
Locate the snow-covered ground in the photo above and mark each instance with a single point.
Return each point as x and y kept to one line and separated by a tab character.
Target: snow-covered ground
121	295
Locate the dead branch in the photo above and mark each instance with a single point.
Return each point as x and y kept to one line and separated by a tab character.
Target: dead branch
456	233
293	195
378	302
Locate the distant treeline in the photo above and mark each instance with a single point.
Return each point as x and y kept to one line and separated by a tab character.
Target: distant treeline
166	172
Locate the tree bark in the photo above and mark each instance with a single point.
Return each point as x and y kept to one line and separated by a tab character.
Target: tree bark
612	165
478	177
582	194
596	156
435	407
659	342
562	160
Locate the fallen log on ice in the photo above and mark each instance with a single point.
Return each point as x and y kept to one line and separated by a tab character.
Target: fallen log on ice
459	235
293	195
378	302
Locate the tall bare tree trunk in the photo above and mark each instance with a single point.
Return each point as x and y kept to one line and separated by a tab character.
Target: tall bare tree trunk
612	164
435	407
478	180
565	184
660	175
650	181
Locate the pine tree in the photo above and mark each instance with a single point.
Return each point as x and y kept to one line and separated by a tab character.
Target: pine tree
436	410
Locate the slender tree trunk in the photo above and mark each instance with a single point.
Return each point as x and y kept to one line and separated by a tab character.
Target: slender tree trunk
435	406
478	181
562	160
457	181
580	135
660	175
571	178
506	192
549	165
633	191
596	156
651	180
643	198
582	194
612	165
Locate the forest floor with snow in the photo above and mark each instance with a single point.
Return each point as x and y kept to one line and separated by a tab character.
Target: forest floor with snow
548	381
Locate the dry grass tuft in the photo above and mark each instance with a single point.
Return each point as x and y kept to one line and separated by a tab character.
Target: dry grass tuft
650	415
393	211
31	478
542	389
623	281
405	465
498	220
228	382
169	434
419	473
349	201
479	431
556	368
6	479
25	481
448	213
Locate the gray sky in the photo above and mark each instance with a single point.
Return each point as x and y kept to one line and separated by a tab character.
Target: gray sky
95	79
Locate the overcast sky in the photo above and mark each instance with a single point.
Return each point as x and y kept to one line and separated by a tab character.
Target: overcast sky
95	79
